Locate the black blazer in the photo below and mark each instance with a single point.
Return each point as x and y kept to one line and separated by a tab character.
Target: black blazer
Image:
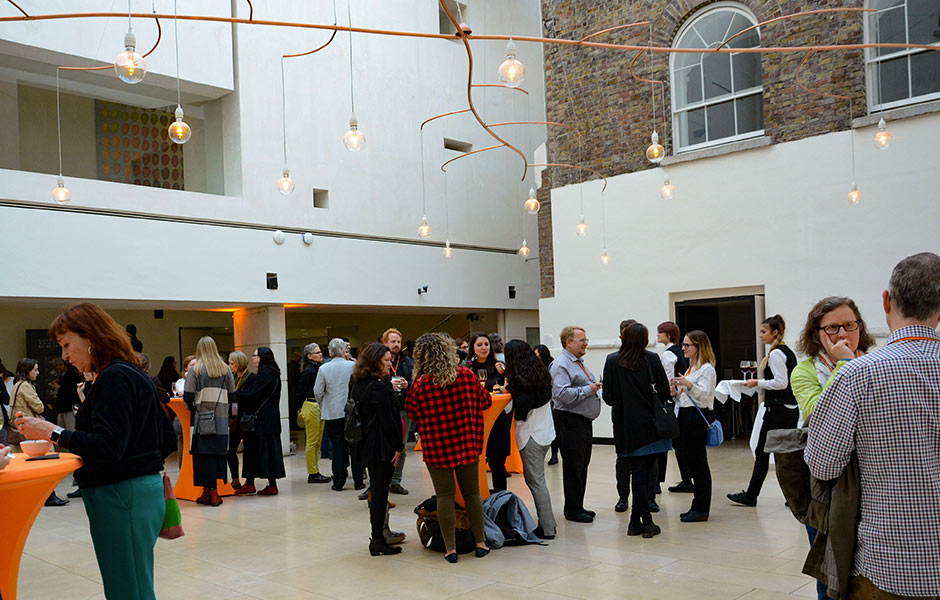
630	394
265	385
381	423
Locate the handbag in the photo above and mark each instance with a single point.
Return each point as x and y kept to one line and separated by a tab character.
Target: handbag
205	419
172	527
664	420
14	437
248	422
716	434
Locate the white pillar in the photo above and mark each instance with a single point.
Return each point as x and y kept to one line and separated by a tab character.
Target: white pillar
266	326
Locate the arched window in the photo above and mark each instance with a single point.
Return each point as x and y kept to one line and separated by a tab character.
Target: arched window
898	76
716	98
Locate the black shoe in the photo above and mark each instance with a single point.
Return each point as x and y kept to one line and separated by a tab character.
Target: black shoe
364	495
360	486
77	493
481	552
377	547
621	505
653	506
683	487
659	490
540	533
694	516
636	529
651	529
580	517
590	513
54	500
318	478
553	460
451	558
337	488
396	488
743	498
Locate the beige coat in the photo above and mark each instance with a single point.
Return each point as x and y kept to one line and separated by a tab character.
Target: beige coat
25	400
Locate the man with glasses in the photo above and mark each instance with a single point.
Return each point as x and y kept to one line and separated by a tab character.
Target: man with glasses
576	405
310	412
884	409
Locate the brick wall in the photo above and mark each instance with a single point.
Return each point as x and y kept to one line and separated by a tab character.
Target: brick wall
593	90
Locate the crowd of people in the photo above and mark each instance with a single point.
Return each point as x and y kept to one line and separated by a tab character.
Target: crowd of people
869	434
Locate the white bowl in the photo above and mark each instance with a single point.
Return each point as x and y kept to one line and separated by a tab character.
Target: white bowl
36	447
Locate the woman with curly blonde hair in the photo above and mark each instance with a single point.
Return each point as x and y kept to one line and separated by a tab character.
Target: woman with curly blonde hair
447	402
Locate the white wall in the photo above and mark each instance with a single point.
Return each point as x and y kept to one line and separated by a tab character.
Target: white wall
775	217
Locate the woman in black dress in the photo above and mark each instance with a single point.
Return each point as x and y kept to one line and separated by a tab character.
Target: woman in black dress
263	456
482	361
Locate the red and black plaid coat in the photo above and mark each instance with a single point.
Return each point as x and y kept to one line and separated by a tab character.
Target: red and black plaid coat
450	419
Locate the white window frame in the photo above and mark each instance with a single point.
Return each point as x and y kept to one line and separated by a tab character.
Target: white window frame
871	59
677	149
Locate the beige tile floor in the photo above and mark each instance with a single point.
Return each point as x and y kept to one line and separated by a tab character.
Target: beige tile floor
311	543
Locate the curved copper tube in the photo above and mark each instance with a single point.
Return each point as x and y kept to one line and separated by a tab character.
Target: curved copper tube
609	29
328	42
530	123
103	67
799	14
598	173
18	7
635	76
800	82
465	154
499	85
447	114
466	42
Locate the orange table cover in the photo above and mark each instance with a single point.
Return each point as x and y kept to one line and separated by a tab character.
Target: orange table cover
184	489
24	487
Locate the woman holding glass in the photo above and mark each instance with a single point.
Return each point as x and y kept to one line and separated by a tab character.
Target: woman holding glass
491	373
695	390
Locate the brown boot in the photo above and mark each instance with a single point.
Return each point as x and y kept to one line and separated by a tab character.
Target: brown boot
214	498
204	499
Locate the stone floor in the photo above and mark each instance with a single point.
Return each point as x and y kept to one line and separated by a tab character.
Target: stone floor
310	542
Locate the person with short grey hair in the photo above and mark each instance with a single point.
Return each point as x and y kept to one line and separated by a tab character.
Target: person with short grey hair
310	412
331	391
883	408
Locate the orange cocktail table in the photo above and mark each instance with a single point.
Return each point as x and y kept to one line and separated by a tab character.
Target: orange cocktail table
184	488
24	487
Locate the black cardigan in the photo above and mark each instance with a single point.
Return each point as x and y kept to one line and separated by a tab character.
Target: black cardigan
265	385
118	428
630	395
381	423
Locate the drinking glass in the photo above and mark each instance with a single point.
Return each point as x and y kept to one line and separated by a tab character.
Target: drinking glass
752	365
481	373
744	365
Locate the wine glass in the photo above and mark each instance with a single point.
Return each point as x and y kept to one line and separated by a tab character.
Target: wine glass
481	373
752	365
744	365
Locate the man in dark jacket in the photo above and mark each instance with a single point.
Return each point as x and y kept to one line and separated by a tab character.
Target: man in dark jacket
310	412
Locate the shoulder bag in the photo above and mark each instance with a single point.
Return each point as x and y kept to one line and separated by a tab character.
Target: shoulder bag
716	434
14	437
248	422
664	420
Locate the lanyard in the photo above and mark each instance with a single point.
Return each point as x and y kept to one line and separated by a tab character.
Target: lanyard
396	365
589	376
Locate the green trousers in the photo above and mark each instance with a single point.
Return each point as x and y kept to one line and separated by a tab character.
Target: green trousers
125	519
310	411
468	478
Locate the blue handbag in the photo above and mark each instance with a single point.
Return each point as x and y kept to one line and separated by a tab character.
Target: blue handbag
716	435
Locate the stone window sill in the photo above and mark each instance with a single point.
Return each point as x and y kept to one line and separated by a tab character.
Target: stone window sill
894	114
758	142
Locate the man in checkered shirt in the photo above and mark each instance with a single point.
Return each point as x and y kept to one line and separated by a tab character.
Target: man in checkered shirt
885	407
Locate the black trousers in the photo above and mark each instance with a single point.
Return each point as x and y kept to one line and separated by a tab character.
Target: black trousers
575	437
343	454
641	467
235	436
775	417
380	474
693	431
685	474
624	472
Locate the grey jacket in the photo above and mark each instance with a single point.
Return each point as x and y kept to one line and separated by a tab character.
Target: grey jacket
517	518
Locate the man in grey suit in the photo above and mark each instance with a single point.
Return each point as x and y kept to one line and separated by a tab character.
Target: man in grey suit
332	390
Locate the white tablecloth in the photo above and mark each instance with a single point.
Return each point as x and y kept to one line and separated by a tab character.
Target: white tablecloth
732	388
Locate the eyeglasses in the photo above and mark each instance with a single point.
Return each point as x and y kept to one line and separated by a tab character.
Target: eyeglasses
687	345
581	341
834	328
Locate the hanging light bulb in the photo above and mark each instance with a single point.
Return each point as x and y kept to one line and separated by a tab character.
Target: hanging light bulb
130	66
424	230
667	190
605	258
532	204
884	137
855	195
285	184
354	139
582	227
655	152
179	130
448	251
61	194
523	250
511	71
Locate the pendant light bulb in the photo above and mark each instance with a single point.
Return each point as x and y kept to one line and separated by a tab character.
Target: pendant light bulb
424	230
655	152
130	66
448	251
523	250
354	139
605	258
667	190
884	137
61	194
855	195
511	71
285	184
582	227
179	130
532	204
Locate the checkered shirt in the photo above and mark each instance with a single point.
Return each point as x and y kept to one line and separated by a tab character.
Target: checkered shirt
885	407
450	419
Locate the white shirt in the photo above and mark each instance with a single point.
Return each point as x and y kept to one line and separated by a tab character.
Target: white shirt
669	361
777	361
703	380
538	426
